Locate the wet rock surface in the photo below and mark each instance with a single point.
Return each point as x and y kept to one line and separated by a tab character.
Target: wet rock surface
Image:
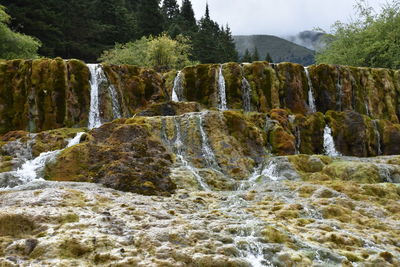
270	223
271	165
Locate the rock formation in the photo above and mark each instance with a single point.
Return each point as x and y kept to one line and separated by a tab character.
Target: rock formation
296	168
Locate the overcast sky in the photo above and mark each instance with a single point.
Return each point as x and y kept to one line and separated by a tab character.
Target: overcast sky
278	17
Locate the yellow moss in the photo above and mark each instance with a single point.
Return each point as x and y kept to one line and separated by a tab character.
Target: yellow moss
337	212
72	248
273	235
16	225
68	218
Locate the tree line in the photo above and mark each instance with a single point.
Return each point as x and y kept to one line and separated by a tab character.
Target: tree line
84	29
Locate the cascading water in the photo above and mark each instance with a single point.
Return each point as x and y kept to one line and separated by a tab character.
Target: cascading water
297	134
311	100
208	153
33	169
95	80
178	87
221	90
246	92
178	147
329	143
339	92
377	137
114	102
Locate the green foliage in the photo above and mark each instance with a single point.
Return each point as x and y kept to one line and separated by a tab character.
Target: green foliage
15	45
187	20
161	53
74	28
213	44
84	29
371	40
150	19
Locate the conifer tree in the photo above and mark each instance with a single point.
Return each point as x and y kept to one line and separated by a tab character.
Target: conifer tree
213	44
255	56
149	17
170	9
228	52
268	58
187	21
247	57
171	14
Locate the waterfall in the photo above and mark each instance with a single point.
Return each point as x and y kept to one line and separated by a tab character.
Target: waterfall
95	80
377	137
329	143
367	108
178	146
208	153
116	108
311	100
221	90
98	77
33	169
178	87
297	134
339	93
246	92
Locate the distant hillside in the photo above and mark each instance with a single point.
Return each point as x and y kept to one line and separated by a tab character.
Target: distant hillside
280	49
310	39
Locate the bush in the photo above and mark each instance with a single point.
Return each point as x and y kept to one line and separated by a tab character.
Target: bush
15	45
371	40
161	53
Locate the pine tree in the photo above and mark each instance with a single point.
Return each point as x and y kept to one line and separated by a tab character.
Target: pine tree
149	17
228	52
256	55
268	58
247	57
170	10
171	15
187	21
213	44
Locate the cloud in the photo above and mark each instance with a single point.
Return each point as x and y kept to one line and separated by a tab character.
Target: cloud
278	17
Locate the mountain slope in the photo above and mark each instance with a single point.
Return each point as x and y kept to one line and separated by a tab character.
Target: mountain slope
310	39
280	49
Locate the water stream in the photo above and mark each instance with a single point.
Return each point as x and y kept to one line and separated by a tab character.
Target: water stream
297	133
178	146
311	100
246	92
177	90
33	169
96	77
116	107
339	92
377	137
329	143
221	90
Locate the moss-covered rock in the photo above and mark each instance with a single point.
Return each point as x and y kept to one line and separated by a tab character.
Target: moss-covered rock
43	94
282	140
353	171
136	87
122	156
16	225
170	109
201	84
